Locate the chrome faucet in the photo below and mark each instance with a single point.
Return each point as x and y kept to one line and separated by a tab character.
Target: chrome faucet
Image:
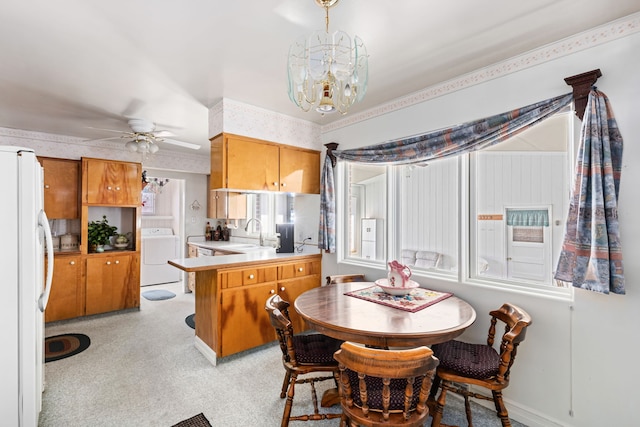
246	228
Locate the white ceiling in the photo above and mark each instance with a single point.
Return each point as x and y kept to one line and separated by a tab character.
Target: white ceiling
68	66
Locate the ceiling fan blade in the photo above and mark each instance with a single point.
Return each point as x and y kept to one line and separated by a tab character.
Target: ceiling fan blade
181	143
109	130
162	133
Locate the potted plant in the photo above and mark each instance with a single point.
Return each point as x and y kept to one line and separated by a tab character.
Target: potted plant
99	234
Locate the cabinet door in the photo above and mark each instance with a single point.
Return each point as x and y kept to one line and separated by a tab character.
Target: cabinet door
227	205
111	283
299	171
252	165
244	321
112	182
66	299
61	188
289	290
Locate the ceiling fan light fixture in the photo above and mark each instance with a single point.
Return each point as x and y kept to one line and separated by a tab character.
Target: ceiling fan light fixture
131	146
327	71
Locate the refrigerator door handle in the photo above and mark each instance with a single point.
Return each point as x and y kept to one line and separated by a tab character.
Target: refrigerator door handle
43	222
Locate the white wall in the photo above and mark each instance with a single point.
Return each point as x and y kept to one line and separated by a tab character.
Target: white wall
578	365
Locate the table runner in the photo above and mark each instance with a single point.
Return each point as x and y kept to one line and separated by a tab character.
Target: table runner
416	300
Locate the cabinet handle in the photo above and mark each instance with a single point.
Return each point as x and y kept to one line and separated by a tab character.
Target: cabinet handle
275	184
284	184
117	262
282	289
46	186
272	291
251	276
108	263
72	263
108	187
117	188
300	269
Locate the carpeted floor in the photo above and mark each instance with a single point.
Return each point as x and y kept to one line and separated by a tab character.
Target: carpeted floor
142	369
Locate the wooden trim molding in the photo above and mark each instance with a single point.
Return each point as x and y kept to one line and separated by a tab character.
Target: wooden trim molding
331	146
582	84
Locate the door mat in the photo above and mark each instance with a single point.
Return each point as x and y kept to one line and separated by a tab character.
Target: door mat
196	421
158	295
416	300
190	320
62	346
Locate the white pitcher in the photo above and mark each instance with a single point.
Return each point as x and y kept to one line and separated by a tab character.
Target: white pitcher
399	274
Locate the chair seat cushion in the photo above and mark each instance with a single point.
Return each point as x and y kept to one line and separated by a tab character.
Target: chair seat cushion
478	361
315	348
374	392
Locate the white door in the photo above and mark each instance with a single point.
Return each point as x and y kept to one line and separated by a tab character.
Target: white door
529	253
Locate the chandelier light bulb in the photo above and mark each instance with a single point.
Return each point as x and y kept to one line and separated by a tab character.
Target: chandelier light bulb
327	71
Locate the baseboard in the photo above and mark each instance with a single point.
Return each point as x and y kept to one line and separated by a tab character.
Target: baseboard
206	351
520	413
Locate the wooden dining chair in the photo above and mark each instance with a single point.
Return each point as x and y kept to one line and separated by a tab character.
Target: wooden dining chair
463	364
344	278
301	354
384	387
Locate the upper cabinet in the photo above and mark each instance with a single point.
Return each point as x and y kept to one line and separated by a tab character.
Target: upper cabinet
111	182
228	205
299	170
244	163
61	187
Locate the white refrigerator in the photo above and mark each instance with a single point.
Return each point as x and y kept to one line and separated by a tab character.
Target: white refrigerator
24	228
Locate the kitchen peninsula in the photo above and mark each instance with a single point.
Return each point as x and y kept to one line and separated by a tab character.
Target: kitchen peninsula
230	292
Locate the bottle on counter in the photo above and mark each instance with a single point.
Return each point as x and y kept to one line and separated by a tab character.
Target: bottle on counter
207	231
225	232
217	234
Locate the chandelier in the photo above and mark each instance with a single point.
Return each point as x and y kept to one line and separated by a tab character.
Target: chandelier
142	144
327	71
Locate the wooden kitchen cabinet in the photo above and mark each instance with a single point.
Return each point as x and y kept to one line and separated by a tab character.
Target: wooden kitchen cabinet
66	299
61	188
244	163
111	182
112	282
230	302
227	205
299	170
294	278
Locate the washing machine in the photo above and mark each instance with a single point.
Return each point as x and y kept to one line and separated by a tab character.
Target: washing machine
158	246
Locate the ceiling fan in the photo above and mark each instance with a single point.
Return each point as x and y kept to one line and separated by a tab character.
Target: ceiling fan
143	137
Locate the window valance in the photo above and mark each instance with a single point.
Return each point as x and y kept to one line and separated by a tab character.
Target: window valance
528	217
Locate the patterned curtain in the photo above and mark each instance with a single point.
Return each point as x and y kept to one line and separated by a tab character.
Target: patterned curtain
591	256
460	139
327	229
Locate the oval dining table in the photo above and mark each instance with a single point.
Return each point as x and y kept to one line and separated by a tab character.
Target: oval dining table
329	311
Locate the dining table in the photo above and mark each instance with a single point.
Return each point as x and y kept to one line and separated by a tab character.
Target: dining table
331	311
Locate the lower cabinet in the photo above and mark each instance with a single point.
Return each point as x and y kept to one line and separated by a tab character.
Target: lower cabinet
242	322
66	299
112	282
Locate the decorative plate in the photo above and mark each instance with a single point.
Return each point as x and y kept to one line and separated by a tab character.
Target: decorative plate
396	290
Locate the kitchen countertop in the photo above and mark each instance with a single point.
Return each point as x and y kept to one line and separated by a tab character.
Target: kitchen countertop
250	256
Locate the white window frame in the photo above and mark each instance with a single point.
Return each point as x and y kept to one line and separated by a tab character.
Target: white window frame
466	251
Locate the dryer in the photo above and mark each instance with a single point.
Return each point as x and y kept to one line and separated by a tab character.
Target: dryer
158	246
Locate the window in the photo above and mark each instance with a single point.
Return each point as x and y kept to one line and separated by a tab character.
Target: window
428	217
365	216
453	213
